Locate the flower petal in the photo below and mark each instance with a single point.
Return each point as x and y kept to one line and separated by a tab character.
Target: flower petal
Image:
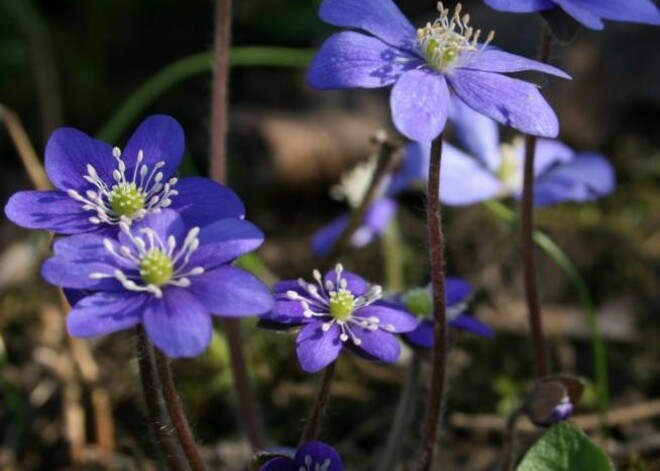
69	152
457	291
521	6
52	210
164	223
422	336
225	240
636	11
201	201
584	15
464	180
354	283
178	323
287	312
382	18
161	139
105	313
377	344
509	101
320	454
351	59
477	133
471	324
323	239
317	349
420	103
586	178
494	60
549	152
414	169
231	292
280	464
396	318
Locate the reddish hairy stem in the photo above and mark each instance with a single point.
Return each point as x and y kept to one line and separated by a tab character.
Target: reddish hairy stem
434	404
313	423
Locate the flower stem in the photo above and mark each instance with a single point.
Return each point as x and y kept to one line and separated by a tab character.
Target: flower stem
244	394
385	164
314	421
176	413
527	239
403	417
440	337
157	417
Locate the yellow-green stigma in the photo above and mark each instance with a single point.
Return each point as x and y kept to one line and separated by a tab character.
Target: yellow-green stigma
419	302
156	267
509	170
126	199
443	42
341	304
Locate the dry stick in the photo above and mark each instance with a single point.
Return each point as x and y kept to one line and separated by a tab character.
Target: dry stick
527	239
25	149
179	420
247	405
385	165
157	417
440	337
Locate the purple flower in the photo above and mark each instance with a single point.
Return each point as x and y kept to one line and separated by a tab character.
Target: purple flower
424	65
590	13
98	187
339	310
312	456
553	399
420	303
494	170
163	273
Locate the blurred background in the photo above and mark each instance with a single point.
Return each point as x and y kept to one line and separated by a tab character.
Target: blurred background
67	404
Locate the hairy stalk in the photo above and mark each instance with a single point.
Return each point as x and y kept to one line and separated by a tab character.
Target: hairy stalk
158	420
314	421
179	420
509	445
244	394
436	255
527	240
403	417
385	165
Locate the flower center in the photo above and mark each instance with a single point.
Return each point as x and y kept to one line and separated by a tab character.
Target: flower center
419	302
130	195
341	304
156	267
510	168
126	200
445	42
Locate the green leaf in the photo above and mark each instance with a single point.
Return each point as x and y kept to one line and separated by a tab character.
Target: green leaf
565	448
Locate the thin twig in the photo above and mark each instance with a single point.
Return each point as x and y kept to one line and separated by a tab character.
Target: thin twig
527	239
25	150
158	420
176	413
320	404
440	337
509	446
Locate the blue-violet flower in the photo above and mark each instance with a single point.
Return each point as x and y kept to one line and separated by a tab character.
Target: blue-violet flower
338	310
424	64
163	273
590	13
419	302
98	187
311	456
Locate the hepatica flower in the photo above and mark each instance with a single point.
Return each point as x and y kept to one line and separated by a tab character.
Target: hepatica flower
336	311
98	187
420	303
311	456
493	169
590	13
162	273
425	66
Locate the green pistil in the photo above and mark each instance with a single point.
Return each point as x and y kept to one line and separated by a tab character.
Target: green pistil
341	304
156	267
419	302
127	200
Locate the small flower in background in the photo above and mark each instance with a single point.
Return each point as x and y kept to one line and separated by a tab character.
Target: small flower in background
337	311
553	399
419	302
424	65
98	187
162	273
590	13
311	456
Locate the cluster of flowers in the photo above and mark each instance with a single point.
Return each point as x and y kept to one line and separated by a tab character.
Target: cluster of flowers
140	246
